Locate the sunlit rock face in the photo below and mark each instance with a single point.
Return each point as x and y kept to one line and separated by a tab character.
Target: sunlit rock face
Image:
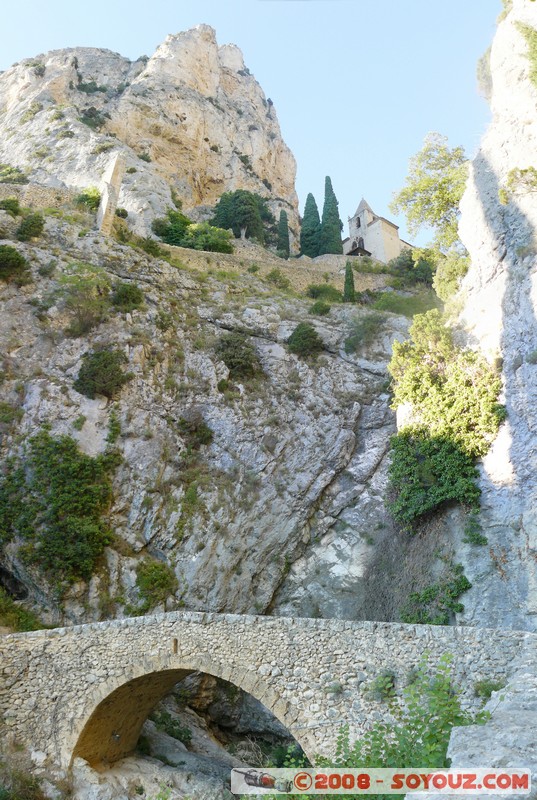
193	110
499	296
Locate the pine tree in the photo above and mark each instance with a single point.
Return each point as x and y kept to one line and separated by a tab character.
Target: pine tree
331	225
283	235
310	233
349	295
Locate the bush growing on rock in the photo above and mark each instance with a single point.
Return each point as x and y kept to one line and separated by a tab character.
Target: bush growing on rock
127	297
90	198
324	291
53	498
11	205
30	228
278	279
320	308
156	582
239	355
305	341
101	373
13	265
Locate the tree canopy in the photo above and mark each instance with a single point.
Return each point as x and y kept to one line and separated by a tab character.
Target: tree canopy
331	225
433	190
283	235
310	233
246	213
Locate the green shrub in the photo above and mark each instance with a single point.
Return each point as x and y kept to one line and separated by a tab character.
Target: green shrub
172	228
13	265
195	430
11	205
101	374
305	341
90	198
485	688
149	245
320	308
53	498
473	533
454	390
349	294
145	157
383	686
30	228
449	272
436	604
91	87
156	581
239	355
406	306
15	616
9	174
93	118
86	291
419	731
427	472
173	727
32	111
131	170
278	279
324	291
530	35
122	213
454	395
364	331
10	413
203	236
127	297
253	268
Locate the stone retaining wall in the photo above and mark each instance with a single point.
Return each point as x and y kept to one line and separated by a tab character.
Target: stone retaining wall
33	195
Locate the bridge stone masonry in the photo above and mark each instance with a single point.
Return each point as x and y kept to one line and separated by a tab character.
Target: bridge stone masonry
85	691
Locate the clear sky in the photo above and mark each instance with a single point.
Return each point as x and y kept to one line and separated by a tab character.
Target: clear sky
357	84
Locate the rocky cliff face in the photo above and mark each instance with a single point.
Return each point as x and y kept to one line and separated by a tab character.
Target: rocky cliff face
500	296
193	111
291	450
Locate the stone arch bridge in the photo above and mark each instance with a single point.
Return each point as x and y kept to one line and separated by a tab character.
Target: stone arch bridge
85	691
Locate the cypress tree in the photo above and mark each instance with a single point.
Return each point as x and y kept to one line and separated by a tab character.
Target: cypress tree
349	295
241	211
310	232
331	225
283	235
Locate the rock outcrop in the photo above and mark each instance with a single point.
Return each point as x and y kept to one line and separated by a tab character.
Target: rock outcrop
191	119
499	295
230	516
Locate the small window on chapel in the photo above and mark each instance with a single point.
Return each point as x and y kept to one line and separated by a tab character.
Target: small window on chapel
358	223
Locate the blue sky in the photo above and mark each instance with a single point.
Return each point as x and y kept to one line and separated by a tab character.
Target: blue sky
357	84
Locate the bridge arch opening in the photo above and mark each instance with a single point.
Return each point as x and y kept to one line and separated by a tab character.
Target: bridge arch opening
112	730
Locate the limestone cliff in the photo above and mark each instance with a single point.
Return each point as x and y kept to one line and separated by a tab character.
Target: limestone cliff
191	119
499	296
231	516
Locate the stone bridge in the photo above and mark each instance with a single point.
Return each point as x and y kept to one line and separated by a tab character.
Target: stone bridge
85	691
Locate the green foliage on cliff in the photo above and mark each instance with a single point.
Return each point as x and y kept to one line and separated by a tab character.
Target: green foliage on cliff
16	617
436	604
53	499
13	265
156	581
30	228
305	341
101	373
239	355
530	35
246	214
453	393
177	230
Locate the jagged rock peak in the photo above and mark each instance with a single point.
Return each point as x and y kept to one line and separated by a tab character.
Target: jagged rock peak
191	118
